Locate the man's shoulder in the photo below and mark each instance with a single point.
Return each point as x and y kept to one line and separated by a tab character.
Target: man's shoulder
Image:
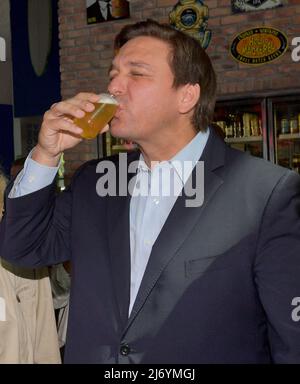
253	162
254	169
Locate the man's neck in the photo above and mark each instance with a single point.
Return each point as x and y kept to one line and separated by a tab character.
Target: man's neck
166	148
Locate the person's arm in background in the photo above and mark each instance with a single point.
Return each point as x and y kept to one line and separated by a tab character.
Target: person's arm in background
46	348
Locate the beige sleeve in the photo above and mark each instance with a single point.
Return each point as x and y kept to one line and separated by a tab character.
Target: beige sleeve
28	335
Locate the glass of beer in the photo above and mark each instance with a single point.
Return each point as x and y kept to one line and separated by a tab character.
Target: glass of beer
93	122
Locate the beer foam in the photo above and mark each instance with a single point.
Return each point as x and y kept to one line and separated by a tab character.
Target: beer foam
107	99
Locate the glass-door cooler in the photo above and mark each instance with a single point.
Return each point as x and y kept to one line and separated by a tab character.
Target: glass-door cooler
284	126
244	125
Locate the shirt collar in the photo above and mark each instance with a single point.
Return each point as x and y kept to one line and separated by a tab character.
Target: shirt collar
191	153
103	4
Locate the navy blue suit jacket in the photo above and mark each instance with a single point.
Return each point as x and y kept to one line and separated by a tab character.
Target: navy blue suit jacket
220	281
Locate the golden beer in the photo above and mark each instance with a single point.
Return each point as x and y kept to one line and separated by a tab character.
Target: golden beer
93	122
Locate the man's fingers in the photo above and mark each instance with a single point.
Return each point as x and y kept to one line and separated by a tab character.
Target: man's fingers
76	107
72	107
66	108
87	96
64	124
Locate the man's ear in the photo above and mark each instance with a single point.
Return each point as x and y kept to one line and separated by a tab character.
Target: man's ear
188	98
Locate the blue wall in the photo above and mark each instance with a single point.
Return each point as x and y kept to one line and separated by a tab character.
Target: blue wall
33	95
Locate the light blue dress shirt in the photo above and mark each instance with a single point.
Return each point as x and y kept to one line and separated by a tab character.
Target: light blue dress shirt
164	183
154	195
34	176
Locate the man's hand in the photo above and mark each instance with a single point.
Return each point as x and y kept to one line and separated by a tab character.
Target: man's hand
58	132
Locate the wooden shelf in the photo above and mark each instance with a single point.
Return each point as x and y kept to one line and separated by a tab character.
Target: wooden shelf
289	136
117	147
249	139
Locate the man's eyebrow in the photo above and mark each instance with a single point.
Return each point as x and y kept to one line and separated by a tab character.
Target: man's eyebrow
136	64
139	64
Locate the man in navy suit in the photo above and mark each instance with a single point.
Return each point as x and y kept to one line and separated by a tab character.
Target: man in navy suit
211	276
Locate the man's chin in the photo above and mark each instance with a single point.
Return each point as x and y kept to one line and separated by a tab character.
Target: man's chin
114	126
118	130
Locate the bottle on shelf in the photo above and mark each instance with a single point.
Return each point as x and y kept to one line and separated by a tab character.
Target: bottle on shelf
254	125
246	125
229	130
238	129
284	125
294	124
259	127
296	162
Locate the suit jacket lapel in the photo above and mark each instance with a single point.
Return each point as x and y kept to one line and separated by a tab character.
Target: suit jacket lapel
180	223
119	246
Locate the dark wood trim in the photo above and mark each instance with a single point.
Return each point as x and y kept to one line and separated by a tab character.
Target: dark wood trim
257	94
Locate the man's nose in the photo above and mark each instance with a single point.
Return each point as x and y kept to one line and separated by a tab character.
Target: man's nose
117	86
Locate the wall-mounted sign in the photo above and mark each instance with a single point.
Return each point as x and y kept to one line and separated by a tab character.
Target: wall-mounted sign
191	16
296	50
253	5
259	45
100	11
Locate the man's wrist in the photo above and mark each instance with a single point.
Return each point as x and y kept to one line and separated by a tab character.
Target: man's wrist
43	158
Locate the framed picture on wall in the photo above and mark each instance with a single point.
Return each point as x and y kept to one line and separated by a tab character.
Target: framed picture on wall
253	5
100	11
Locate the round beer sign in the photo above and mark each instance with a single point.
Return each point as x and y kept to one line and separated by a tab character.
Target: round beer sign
258	46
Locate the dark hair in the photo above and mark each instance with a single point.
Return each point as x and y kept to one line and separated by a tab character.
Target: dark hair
188	62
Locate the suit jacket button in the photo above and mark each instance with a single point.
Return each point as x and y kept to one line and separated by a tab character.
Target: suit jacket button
125	350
